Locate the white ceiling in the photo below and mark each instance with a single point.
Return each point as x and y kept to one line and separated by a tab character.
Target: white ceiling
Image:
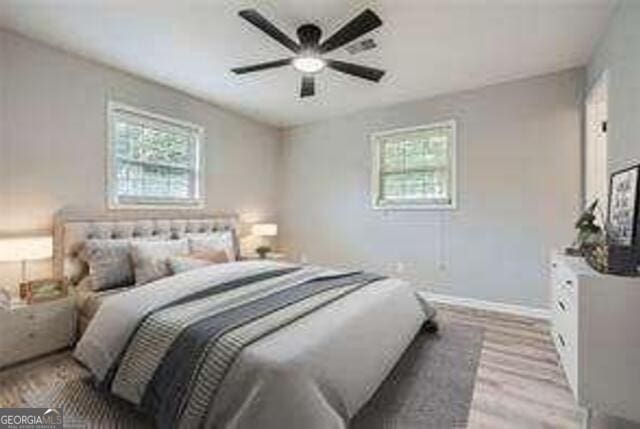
428	47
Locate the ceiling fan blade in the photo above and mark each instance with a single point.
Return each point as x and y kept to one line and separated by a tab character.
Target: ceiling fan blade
265	25
355	28
308	87
357	70
262	66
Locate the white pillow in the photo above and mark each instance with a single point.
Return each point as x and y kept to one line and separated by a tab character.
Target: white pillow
151	259
213	243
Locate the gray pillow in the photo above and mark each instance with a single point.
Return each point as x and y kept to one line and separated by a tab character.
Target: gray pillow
180	264
151	258
109	263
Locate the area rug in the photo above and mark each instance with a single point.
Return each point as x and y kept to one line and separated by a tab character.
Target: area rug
430	387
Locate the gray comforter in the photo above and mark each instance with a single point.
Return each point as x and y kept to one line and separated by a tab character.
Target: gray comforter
168	347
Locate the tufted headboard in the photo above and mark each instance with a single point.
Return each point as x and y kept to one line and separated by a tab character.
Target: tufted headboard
71	229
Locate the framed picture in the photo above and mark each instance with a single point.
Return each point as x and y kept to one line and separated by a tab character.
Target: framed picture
623	207
44	290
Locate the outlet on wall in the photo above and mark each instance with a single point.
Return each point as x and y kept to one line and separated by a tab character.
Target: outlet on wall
399	268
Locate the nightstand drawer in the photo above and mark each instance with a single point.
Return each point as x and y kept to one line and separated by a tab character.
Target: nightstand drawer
29	343
41	314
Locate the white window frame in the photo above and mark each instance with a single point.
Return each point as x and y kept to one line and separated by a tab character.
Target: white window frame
113	202
375	141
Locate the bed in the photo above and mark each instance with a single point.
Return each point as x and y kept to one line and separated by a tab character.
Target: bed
238	345
73	226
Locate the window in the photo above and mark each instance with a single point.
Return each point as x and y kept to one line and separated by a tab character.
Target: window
154	161
414	168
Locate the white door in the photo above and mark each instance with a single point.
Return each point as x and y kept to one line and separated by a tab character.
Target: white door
596	177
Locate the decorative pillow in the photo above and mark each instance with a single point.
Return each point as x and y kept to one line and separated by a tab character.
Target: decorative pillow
150	259
213	256
213	243
109	263
180	264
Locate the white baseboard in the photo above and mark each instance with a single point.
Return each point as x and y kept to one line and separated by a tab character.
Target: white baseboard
518	310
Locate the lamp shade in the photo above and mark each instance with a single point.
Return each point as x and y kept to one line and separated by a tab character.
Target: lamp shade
265	229
25	248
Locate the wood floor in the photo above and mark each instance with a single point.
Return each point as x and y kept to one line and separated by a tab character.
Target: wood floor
519	383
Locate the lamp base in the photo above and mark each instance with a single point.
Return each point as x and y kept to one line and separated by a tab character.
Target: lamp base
24	290
24	287
262	251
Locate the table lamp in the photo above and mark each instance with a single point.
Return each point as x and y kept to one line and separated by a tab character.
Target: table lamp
264	230
23	249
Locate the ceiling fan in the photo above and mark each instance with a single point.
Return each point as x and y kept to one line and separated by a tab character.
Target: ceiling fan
309	51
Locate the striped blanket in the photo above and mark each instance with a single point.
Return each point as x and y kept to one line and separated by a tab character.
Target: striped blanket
179	352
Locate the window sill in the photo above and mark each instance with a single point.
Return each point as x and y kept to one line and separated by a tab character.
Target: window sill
197	205
414	207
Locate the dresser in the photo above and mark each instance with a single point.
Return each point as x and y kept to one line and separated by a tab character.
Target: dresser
27	331
596	330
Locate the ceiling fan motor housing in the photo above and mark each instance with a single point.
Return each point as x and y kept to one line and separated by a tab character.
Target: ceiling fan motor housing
309	36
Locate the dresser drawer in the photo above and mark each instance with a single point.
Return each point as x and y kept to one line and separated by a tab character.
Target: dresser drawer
567	349
564	299
564	314
563	280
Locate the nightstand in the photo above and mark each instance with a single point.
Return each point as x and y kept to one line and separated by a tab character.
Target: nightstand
30	330
271	256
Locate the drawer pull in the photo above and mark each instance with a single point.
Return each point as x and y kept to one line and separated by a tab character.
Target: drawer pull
568	282
554	265
562	306
561	340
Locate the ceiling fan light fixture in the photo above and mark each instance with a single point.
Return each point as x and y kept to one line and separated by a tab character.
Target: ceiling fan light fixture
309	64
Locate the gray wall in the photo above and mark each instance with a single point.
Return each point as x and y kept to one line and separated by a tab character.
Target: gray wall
53	142
518	171
518	179
3	150
619	53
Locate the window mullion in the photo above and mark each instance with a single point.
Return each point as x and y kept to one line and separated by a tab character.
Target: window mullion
415	170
